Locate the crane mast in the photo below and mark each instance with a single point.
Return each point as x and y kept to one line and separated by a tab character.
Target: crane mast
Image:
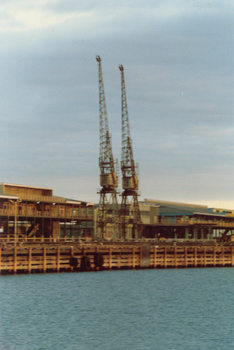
108	214
129	212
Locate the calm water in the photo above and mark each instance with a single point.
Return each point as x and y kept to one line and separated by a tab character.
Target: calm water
150	309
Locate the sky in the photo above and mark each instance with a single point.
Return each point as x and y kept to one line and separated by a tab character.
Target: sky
179	75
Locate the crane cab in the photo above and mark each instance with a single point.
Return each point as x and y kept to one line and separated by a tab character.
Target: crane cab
130	183
108	180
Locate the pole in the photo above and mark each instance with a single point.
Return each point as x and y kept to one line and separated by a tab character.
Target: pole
15	228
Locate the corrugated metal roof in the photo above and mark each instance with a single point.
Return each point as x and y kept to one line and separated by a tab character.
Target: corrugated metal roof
26	186
8	196
75	201
177	204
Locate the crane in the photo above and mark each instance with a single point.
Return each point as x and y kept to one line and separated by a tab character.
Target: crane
108	212
129	211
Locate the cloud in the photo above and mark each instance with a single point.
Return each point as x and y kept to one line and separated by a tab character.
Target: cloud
179	81
117	16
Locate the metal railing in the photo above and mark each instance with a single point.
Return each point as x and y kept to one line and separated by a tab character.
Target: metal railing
45	213
10	239
166	220
34	198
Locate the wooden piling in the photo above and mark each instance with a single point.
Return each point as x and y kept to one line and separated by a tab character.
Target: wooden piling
97	251
222	255
110	258
195	257
47	256
44	259
15	260
119	259
204	252
155	257
29	259
214	257
140	256
185	257
133	257
71	255
232	258
58	259
165	257
175	257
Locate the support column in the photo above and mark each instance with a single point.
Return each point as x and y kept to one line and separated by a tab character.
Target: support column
72	231
210	234
186	232
51	224
42	220
194	232
34	225
202	233
16	223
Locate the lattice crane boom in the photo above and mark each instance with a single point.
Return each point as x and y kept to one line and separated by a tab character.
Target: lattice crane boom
129	176
130	219
108	175
108	212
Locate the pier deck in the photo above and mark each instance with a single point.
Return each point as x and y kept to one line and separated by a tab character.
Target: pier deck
69	256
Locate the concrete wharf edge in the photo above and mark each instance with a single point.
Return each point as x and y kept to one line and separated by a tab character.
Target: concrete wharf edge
56	257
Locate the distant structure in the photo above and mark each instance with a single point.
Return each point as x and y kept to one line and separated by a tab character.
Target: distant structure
129	212
175	220
108	213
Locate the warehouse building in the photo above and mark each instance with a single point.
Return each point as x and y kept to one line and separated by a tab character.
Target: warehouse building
28	211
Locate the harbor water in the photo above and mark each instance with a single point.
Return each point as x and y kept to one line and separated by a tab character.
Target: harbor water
142	309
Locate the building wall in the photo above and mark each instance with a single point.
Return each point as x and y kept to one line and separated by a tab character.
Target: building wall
44	217
24	191
149	214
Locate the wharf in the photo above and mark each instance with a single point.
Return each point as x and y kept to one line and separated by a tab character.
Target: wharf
74	255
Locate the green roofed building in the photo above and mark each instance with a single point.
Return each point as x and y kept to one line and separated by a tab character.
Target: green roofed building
188	221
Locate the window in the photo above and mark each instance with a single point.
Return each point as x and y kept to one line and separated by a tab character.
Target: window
90	210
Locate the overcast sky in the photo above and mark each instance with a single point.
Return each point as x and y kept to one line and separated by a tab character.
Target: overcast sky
179	74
